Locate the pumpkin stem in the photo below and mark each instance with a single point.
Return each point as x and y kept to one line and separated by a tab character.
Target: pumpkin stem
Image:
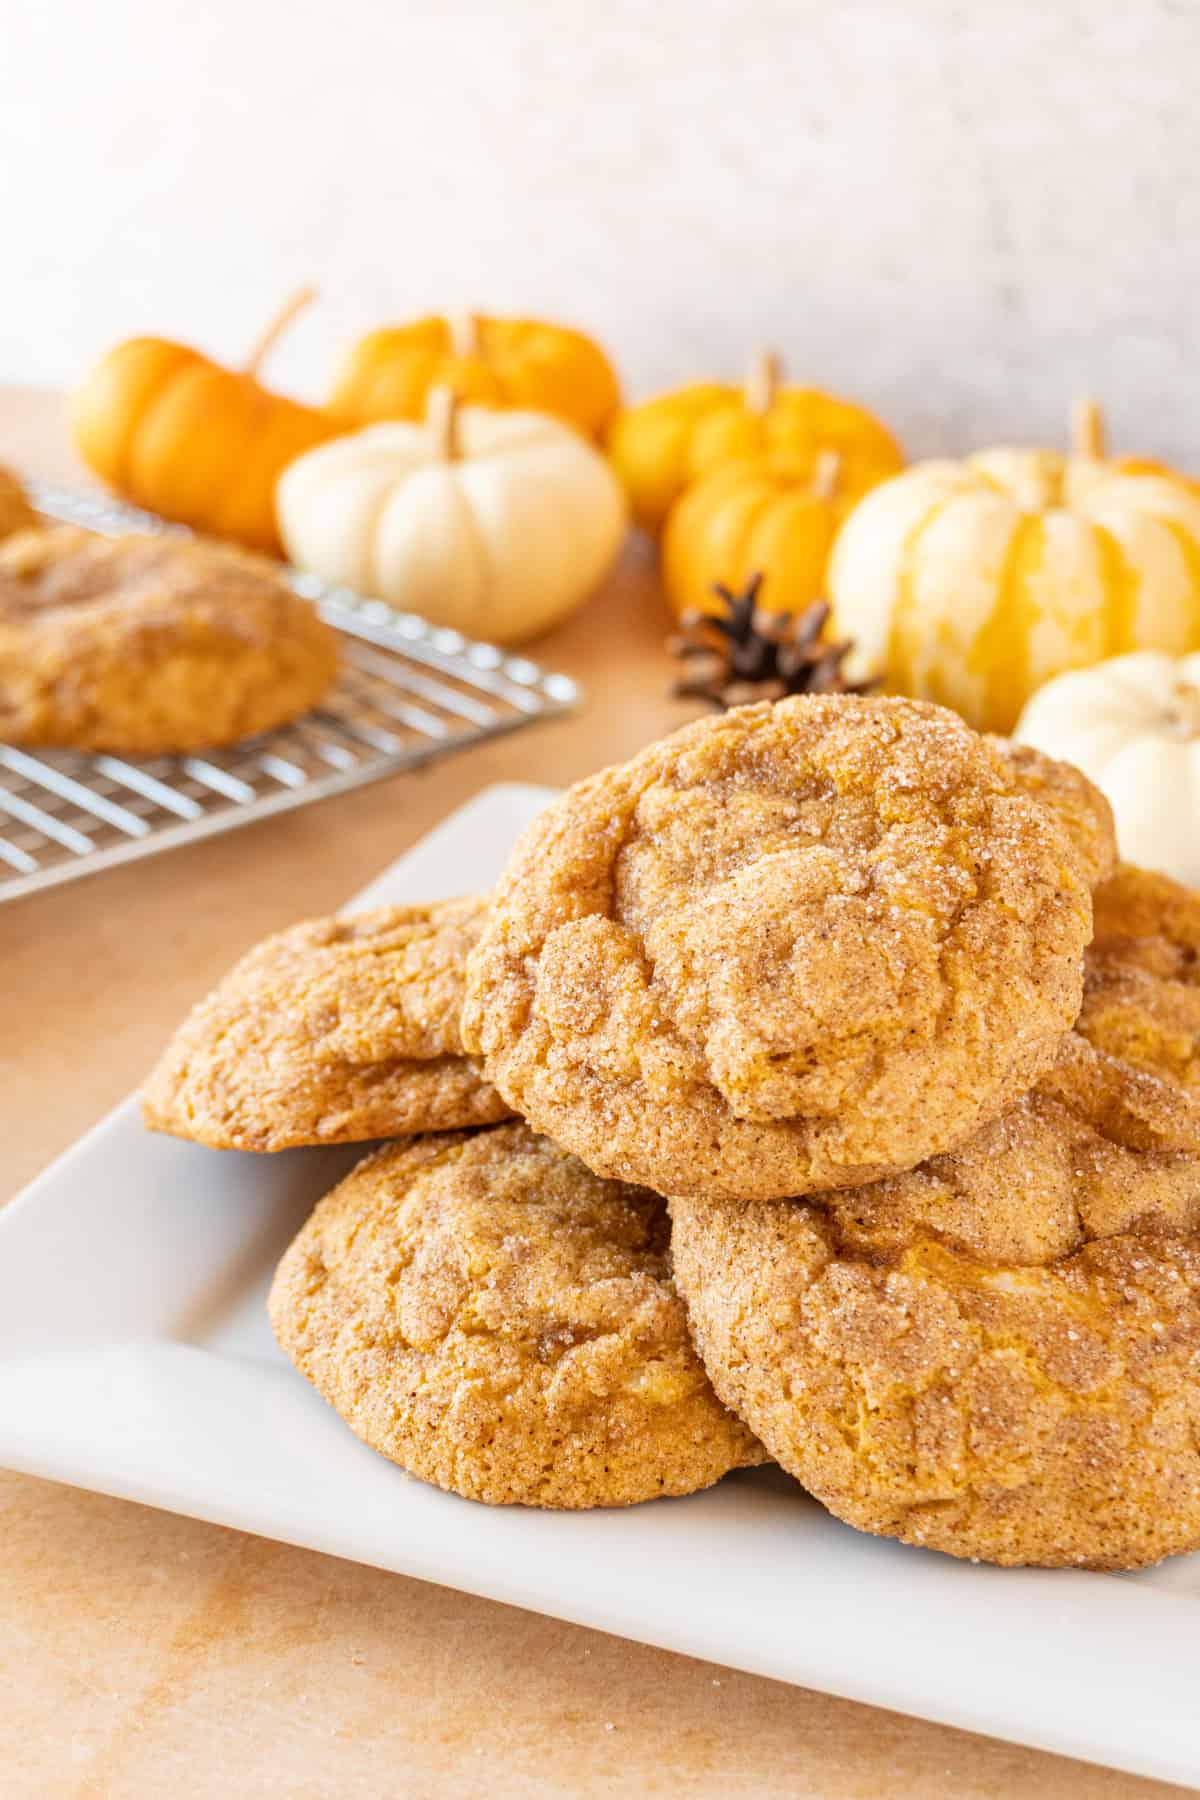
464	333
1182	719
827	474
762	381
1087	430
441	419
270	337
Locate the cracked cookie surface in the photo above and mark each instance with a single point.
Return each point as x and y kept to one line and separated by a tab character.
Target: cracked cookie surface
333	1032
143	645
997	1354
788	948
1142	991
501	1322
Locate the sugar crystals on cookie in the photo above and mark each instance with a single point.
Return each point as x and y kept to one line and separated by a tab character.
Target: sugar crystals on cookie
498	1320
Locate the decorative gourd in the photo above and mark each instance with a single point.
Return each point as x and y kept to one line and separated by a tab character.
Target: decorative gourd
973	582
496	523
16	513
764	515
181	436
662	446
520	363
1133	725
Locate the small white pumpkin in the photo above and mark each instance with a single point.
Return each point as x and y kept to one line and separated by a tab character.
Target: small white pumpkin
495	523
1133	725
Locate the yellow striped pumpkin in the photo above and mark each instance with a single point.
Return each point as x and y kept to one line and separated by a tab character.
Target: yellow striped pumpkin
971	583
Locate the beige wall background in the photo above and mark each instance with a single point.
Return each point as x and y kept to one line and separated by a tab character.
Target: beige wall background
965	214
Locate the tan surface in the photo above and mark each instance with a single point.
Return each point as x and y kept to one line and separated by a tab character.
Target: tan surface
143	1654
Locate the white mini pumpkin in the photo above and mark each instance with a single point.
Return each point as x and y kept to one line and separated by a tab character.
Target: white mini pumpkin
1133	725
495	523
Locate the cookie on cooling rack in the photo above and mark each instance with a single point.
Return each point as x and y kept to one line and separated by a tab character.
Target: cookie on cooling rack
792	947
142	645
501	1322
336	1031
997	1354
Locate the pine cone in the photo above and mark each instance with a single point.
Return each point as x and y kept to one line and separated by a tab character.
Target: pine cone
745	653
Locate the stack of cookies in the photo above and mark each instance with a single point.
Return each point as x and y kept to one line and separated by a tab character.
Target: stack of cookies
814	1088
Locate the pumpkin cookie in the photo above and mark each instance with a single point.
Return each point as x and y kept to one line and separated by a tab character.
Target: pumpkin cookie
496	1319
142	645
1076	803
792	947
16	514
1142	992
997	1354
335	1032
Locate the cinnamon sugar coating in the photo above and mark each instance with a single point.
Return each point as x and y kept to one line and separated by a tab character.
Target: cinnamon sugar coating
790	947
997	1354
1142	994
499	1321
1074	802
143	645
333	1032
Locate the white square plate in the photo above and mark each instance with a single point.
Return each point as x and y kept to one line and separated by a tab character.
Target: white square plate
135	1358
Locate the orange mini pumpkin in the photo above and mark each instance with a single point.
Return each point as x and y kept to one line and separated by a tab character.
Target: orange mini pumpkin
519	363
768	515
180	435
660	447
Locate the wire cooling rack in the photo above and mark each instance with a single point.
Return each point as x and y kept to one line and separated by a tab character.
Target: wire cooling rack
408	692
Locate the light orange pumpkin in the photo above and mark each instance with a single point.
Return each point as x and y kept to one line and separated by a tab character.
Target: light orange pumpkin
178	434
768	515
663	445
520	363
